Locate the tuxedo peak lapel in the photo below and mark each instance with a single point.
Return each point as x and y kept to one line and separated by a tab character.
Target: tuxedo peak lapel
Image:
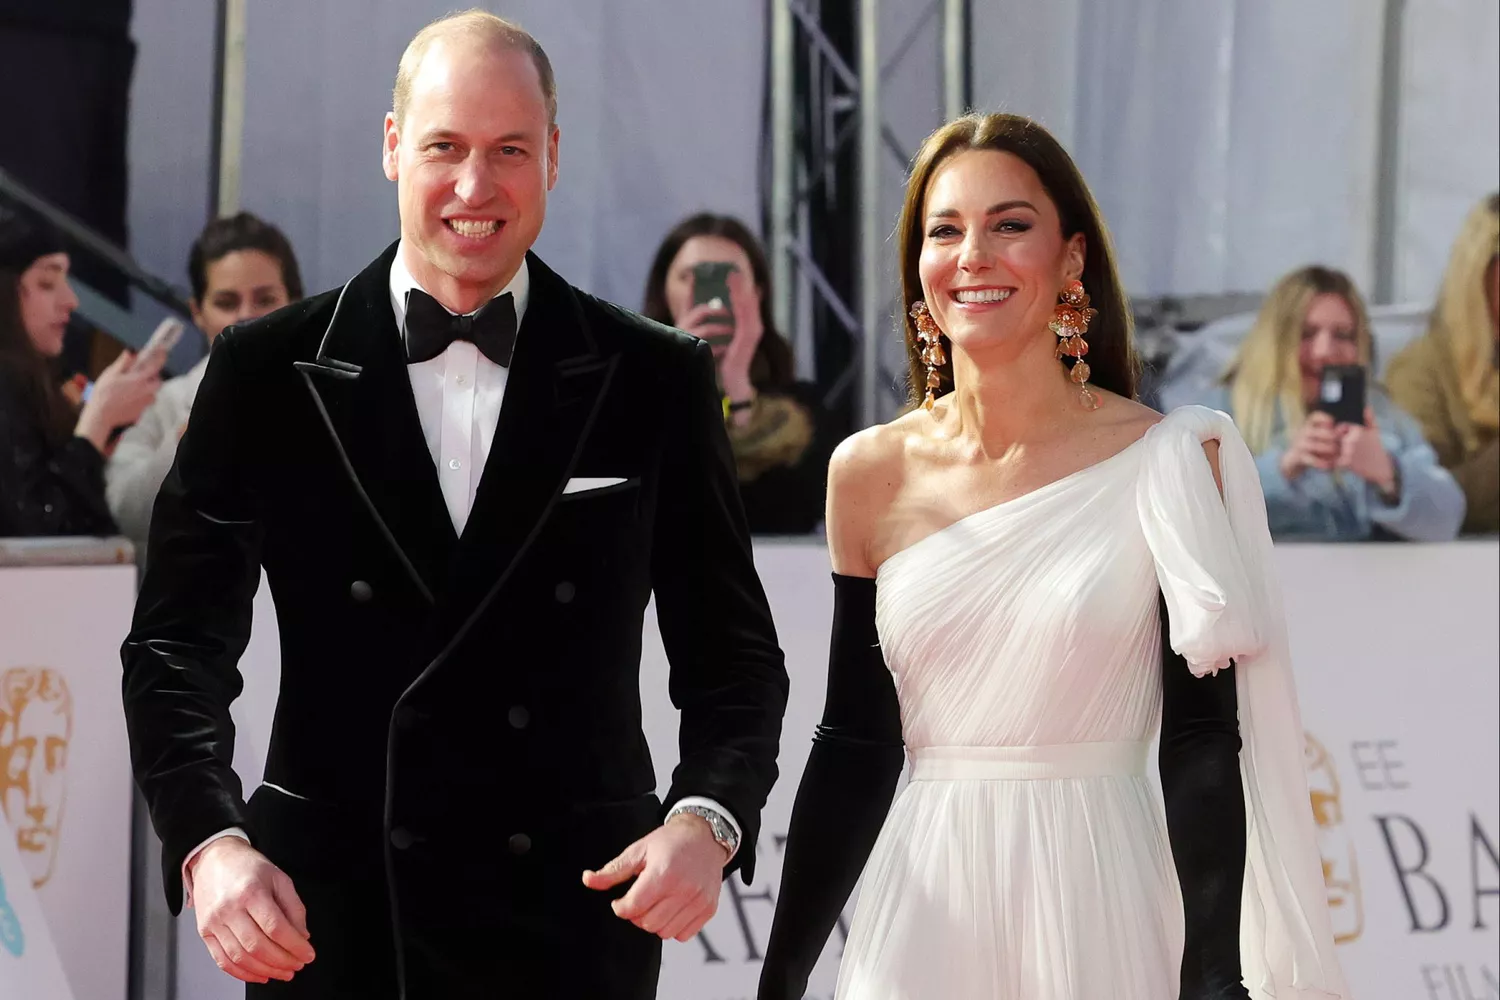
363	393
557	380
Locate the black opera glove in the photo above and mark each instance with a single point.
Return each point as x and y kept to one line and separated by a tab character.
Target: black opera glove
1205	806
844	797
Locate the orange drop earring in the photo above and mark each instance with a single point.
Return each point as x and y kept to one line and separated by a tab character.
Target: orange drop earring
933	355
1070	322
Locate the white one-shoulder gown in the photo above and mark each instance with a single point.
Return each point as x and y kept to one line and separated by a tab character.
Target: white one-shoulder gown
1027	858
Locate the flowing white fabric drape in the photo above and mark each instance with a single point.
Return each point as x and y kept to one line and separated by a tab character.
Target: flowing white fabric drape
1215	565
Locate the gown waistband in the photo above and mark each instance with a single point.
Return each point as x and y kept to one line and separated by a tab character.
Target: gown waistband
1034	763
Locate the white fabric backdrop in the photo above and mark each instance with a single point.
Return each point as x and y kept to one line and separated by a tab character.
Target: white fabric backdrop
1450	132
659	103
171	112
1229	142
1225	141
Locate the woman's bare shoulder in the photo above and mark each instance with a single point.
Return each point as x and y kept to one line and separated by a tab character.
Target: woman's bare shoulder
864	478
1117	423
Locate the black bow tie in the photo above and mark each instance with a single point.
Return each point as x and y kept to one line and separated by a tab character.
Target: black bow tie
430	328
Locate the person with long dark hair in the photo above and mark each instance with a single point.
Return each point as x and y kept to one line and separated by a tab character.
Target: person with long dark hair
780	433
1032	572
51	448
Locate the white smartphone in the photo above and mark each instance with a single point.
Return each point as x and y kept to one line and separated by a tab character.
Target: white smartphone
165	337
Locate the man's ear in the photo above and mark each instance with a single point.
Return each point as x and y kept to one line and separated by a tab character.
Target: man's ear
390	147
552	141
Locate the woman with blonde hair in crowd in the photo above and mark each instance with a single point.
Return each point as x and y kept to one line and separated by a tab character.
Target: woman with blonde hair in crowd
1449	379
1032	572
1325	480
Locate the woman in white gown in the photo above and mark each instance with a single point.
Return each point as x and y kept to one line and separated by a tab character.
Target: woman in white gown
1032	572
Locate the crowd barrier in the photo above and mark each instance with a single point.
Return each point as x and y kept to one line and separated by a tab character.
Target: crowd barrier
1397	654
64	773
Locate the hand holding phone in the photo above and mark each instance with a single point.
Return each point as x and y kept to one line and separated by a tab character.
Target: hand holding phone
1314	445
1341	393
711	290
165	337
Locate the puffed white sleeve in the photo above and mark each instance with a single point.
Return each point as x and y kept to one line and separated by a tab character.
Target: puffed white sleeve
1214	562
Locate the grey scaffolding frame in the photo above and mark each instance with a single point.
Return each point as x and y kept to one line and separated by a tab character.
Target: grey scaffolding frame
791	259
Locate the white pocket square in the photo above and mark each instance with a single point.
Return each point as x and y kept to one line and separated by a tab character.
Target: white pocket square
582	484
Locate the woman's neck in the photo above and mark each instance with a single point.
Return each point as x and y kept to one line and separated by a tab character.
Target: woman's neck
1000	400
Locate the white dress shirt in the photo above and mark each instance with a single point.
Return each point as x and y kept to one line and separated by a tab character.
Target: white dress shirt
458	396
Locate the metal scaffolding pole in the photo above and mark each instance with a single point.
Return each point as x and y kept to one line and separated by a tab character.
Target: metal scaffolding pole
783	152
871	274
957	75
228	111
826	221
1388	155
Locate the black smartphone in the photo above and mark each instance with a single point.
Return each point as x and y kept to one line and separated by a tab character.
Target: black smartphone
1341	393
711	287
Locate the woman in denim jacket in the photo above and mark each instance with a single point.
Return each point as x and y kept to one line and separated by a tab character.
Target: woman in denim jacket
1328	481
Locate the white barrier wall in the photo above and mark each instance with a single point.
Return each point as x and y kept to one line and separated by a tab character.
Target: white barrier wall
29	966
1397	650
65	775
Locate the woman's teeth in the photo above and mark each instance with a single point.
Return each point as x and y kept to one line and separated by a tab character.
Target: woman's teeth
983	295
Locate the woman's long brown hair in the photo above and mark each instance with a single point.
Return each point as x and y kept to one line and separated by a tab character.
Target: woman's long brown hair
1111	349
27	371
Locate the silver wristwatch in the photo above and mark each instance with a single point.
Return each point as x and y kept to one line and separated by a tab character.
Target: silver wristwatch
723	833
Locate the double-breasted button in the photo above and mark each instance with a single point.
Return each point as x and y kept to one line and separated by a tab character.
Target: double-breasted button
407	717
402	838
519	844
518	716
565	592
361	591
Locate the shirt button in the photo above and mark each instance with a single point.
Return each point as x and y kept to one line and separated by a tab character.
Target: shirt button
402	838
361	591
564	592
455	464
460	379
518	717
519	844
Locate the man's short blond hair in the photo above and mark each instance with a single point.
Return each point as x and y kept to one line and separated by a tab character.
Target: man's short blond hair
483	26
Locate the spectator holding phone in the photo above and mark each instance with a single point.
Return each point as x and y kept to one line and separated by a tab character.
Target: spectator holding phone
1449	378
51	447
1338	460
709	278
241	268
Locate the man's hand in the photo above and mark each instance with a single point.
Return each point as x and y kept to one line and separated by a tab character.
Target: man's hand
249	915
680	868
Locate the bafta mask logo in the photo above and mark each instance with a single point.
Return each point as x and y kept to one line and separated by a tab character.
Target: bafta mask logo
36	722
1340	868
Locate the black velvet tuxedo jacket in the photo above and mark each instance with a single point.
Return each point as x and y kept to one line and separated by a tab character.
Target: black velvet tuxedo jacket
459	717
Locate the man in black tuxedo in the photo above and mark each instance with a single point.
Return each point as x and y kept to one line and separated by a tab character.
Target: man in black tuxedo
464	479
